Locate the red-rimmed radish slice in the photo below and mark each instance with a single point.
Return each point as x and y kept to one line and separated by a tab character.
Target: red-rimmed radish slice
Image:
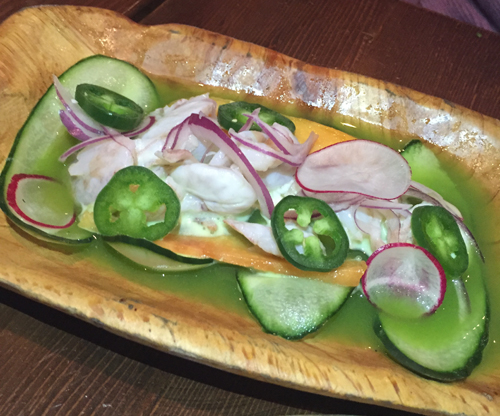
41	200
404	280
357	166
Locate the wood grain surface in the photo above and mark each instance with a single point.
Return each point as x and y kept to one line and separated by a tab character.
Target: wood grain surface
68	367
383	39
135	9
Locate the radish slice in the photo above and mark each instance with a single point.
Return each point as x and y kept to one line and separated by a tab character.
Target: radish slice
404	280
357	166
41	201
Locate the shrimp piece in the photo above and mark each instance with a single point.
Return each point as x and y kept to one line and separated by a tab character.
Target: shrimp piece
259	160
96	164
258	234
150	144
223	190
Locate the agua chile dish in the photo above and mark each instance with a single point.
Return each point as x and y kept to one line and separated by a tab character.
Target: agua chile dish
425	274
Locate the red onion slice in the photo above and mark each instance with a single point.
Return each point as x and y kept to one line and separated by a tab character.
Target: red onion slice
248	124
81	145
357	166
145	125
41	201
404	280
384	204
75	110
178	135
266	129
429	195
294	161
283	138
83	127
203	127
77	131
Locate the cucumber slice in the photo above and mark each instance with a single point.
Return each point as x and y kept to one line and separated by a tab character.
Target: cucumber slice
147	254
427	170
43	138
288	306
448	345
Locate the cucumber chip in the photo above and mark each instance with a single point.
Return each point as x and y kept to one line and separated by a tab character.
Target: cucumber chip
147	254
288	306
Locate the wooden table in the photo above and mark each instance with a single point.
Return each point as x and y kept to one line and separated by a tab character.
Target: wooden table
51	363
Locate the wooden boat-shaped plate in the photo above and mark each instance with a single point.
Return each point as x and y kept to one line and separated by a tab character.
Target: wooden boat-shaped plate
39	42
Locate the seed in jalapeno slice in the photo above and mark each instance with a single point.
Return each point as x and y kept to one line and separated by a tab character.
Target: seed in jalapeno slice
231	116
327	245
130	200
108	107
436	230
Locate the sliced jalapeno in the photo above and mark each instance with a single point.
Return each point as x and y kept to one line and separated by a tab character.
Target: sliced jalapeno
108	107
231	116
327	246
136	203
436	230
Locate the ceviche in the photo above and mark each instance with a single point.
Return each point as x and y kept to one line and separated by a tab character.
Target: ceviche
309	218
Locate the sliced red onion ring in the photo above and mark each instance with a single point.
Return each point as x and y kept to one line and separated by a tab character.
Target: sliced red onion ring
32	198
178	134
203	127
123	141
145	125
249	122
74	129
357	166
283	138
81	145
295	161
85	129
429	195
75	110
384	204
404	280
472	239
266	129
338	201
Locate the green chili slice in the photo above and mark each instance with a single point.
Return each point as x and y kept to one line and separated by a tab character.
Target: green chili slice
136	203
108	107
327	245
436	230
231	116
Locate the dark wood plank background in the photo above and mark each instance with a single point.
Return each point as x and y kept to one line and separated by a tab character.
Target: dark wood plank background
53	364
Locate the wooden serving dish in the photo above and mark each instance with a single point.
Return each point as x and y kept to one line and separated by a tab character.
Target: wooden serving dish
39	42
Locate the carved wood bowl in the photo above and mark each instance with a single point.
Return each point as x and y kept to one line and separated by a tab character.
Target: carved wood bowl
39	42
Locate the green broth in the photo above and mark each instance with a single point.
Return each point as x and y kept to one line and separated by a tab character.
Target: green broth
214	284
